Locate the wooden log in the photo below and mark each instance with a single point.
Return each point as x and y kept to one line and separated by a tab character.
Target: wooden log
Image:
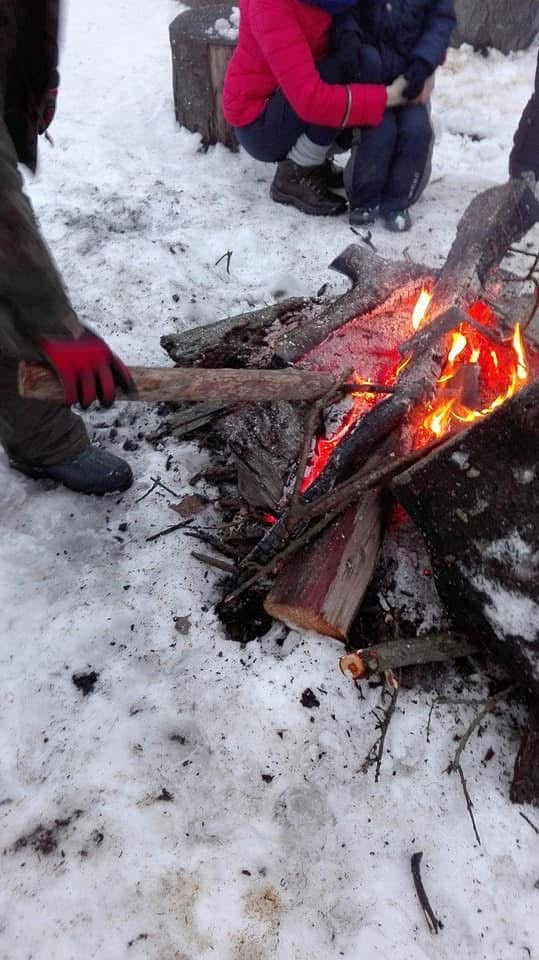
374	279
474	502
170	384
493	221
200	57
244	340
322	587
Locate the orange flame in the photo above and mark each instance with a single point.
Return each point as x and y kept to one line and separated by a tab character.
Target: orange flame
420	308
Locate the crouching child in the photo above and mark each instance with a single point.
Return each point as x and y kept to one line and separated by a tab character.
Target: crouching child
376	42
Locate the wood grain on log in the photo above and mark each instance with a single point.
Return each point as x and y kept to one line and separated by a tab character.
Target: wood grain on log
39	382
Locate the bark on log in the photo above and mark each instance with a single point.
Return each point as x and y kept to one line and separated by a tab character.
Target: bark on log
244	340
426	648
375	280
474	502
170	384
504	24
199	62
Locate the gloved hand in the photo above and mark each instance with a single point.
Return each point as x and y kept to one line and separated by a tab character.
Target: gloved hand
87	368
416	74
48	110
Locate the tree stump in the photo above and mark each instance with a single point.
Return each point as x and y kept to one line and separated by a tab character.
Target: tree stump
200	57
504	24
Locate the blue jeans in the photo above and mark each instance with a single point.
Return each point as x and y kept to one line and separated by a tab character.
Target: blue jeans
390	164
273	134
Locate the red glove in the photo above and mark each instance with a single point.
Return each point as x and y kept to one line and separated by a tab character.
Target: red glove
87	368
48	111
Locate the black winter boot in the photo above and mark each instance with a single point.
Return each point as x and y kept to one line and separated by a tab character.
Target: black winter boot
90	471
306	189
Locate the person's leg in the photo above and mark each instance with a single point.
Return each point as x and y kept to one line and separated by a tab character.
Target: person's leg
49	441
524	155
368	168
411	159
33	431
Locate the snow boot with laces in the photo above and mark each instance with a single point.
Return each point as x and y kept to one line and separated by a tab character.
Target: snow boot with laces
306	189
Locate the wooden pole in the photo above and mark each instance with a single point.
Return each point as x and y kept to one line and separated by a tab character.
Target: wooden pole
39	382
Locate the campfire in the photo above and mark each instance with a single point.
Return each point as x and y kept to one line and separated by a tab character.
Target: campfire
415	388
433	405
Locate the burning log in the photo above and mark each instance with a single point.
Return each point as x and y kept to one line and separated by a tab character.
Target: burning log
476	510
493	221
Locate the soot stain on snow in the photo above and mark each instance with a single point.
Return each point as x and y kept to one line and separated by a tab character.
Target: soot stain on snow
43	839
85	681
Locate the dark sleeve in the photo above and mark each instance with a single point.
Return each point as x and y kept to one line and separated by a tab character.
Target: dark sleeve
439	25
31	291
347	40
525	152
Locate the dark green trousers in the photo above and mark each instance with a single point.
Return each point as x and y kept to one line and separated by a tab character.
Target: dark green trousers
34	431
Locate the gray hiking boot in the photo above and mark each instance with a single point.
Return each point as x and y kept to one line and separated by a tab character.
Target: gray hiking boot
90	471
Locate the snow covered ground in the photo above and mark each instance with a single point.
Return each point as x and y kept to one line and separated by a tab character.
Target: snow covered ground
190	807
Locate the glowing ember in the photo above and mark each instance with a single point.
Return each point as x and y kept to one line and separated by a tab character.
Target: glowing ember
503	371
420	308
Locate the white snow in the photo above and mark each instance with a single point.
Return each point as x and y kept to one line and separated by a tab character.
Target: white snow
314	863
509	613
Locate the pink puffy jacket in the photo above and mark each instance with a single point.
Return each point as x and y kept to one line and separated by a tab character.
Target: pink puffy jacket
279	44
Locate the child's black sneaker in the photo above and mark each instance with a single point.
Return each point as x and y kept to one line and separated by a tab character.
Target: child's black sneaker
398	221
363	216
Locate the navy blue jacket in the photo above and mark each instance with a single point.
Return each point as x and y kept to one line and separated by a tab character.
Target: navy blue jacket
400	30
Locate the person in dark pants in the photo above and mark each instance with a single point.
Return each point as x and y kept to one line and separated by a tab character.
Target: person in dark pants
524	157
287	101
374	43
37	321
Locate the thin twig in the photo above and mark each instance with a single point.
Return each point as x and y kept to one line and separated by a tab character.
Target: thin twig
311	425
214	542
455	765
488	708
157	482
376	752
345	493
228	255
167	530
213	561
527	819
433	923
469	804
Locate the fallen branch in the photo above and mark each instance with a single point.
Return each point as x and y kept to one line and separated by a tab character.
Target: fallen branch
428	648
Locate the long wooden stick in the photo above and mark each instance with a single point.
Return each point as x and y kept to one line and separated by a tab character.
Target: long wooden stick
39	382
